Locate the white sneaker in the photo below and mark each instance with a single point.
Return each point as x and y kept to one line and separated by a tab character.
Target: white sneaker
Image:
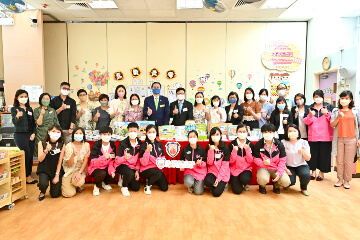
96	191
125	191
106	187
226	187
191	189
147	189
120	180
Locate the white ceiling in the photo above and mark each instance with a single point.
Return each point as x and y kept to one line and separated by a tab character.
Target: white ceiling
156	10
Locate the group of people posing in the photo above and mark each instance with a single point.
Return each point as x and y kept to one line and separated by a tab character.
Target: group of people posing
297	138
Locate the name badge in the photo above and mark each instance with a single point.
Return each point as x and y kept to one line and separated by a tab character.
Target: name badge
262	149
29	113
285	115
56	151
112	155
67	106
188	152
235	111
185	110
162	105
50	111
217	155
82	152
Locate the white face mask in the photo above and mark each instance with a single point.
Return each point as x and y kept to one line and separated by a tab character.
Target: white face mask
281	93
300	102
54	136
106	138
249	96
242	135
215	138
64	92
151	136
216	104
192	140
293	135
318	100
344	102
268	136
133	135
180	97
23	100
263	97
135	102
199	100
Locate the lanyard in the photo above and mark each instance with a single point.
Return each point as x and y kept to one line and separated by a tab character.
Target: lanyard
155	150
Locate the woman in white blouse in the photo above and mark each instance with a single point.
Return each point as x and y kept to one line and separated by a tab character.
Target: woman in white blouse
217	114
297	154
118	105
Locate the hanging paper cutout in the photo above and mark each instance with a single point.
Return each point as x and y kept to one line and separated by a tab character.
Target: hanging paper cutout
154	73
118	75
192	84
280	56
249	76
135	72
201	89
207	75
170	74
77	67
232	74
239	85
202	80
219	83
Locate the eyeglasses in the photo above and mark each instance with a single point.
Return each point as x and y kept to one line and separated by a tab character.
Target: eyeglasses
67	89
281	88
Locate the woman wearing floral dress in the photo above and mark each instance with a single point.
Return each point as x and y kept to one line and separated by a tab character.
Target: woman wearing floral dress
84	110
134	112
201	112
118	106
44	116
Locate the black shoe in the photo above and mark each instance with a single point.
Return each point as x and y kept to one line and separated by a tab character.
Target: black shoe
276	190
41	197
262	190
32	182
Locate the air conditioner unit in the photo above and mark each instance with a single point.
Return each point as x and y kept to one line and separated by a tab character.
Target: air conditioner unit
6	21
77	1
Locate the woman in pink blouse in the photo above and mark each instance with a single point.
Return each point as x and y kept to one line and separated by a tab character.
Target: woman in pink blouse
134	112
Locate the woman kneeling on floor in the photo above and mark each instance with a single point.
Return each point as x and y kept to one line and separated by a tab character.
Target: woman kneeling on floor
102	155
50	155
150	150
194	177
75	162
297	154
218	156
270	158
241	160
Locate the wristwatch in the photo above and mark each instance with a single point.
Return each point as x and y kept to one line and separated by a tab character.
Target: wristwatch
57	173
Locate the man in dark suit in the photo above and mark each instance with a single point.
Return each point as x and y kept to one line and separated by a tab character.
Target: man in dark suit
181	110
156	107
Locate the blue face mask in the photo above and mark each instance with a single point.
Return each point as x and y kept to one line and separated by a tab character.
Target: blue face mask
78	137
156	90
281	106
232	100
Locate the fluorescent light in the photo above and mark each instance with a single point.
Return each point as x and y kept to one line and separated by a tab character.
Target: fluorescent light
277	4
186	4
103	4
29	7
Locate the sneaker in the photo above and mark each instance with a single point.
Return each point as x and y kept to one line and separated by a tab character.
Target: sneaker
247	187
262	190
305	192
276	189
226	187
287	188
339	183
106	186
120	181
96	191
347	185
125	191
191	189
147	189
80	189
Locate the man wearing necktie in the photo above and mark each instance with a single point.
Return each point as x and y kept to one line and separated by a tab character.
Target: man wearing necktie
156	107
181	110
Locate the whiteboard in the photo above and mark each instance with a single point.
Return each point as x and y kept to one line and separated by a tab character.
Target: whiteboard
34	92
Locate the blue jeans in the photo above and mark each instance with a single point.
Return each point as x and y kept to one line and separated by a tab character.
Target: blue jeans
303	172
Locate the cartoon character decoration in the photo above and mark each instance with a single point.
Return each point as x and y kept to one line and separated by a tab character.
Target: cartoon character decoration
192	84
135	72
170	74
118	76
203	80
154	73
275	78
